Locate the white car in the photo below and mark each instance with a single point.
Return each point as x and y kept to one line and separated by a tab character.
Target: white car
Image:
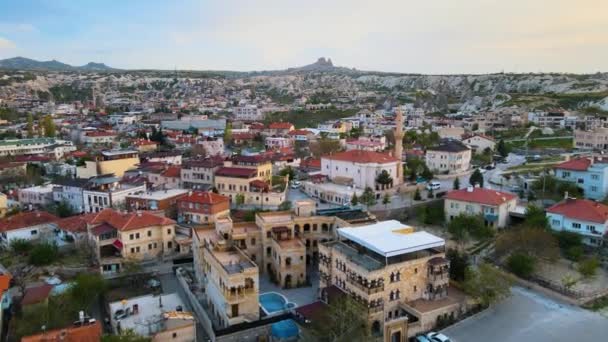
433	186
295	185
437	337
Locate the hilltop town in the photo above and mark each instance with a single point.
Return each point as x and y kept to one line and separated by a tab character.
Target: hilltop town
297	204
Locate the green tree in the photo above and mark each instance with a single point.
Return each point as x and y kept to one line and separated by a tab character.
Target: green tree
288	171
228	133
536	218
43	254
20	246
459	262
386	200
588	267
384	178
417	196
427	174
355	200
463	227
368	197
487	284
239	199
30	125
476	178
343	320
64	209
521	264
502	148
286	205
456	185
86	288
574	253
49	126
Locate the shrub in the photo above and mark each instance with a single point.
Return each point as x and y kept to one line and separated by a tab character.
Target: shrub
43	254
20	246
574	253
521	264
568	239
588	267
417	196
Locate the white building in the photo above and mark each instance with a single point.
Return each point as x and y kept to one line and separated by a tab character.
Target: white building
478	143
55	147
359	168
494	206
277	142
212	146
162	318
587	218
248	113
36	196
107	192
70	191
450	156
29	225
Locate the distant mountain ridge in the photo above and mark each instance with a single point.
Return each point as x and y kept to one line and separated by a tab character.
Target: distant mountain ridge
23	63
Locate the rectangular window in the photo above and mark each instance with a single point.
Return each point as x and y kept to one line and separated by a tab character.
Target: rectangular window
595	177
555	222
149	233
169	231
594	188
137	236
130	236
576	225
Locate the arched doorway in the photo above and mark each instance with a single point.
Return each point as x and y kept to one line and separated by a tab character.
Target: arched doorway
376	328
396	336
288	281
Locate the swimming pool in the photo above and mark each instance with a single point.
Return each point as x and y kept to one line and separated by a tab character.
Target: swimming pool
275	303
284	329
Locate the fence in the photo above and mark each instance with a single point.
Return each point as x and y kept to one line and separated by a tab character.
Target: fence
196	306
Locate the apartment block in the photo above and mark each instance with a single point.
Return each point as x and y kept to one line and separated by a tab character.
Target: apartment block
588	173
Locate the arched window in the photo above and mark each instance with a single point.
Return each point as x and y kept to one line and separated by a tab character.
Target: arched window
392	277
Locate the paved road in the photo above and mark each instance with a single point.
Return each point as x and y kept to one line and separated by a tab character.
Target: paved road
530	316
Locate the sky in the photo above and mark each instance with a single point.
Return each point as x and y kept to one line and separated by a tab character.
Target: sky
431	36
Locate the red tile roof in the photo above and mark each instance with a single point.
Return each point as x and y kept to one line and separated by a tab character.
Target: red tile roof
578	164
143	142
311	163
481	195
172	171
280	125
239	172
5	283
85	333
361	156
581	209
128	221
26	219
300	132
37	294
74	224
204	198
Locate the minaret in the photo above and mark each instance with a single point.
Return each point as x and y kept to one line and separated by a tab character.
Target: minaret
399	144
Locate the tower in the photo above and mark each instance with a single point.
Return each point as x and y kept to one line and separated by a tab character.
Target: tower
399	144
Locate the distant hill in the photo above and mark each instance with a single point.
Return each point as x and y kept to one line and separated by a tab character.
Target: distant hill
23	63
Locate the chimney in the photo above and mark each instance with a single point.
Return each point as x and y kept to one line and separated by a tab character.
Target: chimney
470	188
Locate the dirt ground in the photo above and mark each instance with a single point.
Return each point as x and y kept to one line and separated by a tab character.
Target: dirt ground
563	268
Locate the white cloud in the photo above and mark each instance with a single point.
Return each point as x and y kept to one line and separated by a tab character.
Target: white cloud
6	44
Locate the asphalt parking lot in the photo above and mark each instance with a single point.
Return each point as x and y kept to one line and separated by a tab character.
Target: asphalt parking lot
530	316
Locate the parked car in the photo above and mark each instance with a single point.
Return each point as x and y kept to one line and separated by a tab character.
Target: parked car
421	338
295	184
433	186
437	337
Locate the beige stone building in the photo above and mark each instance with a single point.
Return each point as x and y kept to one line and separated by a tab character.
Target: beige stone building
230	278
596	139
107	162
450	156
393	271
252	184
494	206
118	238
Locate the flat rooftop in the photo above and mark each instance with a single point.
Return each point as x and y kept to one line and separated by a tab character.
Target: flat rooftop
391	238
149	311
161	194
232	261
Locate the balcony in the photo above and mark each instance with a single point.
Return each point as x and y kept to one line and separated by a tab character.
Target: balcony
369	287
375	309
238	295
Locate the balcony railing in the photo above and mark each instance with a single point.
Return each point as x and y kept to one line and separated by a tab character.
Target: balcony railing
238	294
369	289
